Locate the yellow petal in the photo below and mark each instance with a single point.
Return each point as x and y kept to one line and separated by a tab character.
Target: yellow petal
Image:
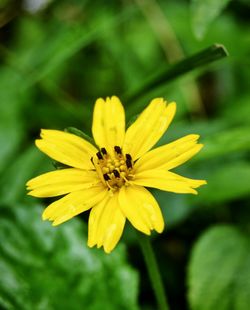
151	124
106	224
73	204
61	182
94	220
108	123
167	181
170	155
66	148
141	209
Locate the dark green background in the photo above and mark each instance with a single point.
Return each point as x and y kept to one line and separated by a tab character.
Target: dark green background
54	62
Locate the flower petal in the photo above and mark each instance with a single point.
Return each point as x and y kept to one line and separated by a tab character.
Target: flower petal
73	204
170	155
141	209
108	123
167	181
66	148
61	182
106	223
151	124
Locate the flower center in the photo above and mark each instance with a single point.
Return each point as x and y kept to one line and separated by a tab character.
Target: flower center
115	170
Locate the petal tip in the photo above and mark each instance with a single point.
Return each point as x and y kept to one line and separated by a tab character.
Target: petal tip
172	106
28	183
147	232
172	103
160	228
45	215
114	97
107	249
99	100
38	143
158	100
91	244
44	132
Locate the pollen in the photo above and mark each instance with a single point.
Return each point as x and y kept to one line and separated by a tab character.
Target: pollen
116	169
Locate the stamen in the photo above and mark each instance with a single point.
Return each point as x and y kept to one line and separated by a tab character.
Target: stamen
128	156
118	150
128	163
106	177
99	155
116	173
115	170
124	178
103	150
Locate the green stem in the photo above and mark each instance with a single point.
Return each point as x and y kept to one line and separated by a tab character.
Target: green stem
153	271
174	71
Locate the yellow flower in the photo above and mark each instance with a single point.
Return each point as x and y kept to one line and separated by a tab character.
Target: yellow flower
111	180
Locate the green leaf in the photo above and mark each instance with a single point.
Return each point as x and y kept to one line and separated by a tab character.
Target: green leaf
81	134
43	267
27	165
226	182
225	142
230	181
219	271
58	165
60	41
175	208
203	14
11	125
165	75
243	110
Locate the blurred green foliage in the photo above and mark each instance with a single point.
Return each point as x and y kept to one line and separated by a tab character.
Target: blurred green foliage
222	286
56	59
44	268
203	14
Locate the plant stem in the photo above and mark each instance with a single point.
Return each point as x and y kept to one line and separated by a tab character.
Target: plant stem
174	71
153	271
169	43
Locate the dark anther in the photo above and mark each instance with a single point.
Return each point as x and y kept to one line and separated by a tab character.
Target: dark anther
103	150
128	163
92	160
106	177
118	149
128	156
116	173
99	155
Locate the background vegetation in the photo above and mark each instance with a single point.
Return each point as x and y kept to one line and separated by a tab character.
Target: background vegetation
56	58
